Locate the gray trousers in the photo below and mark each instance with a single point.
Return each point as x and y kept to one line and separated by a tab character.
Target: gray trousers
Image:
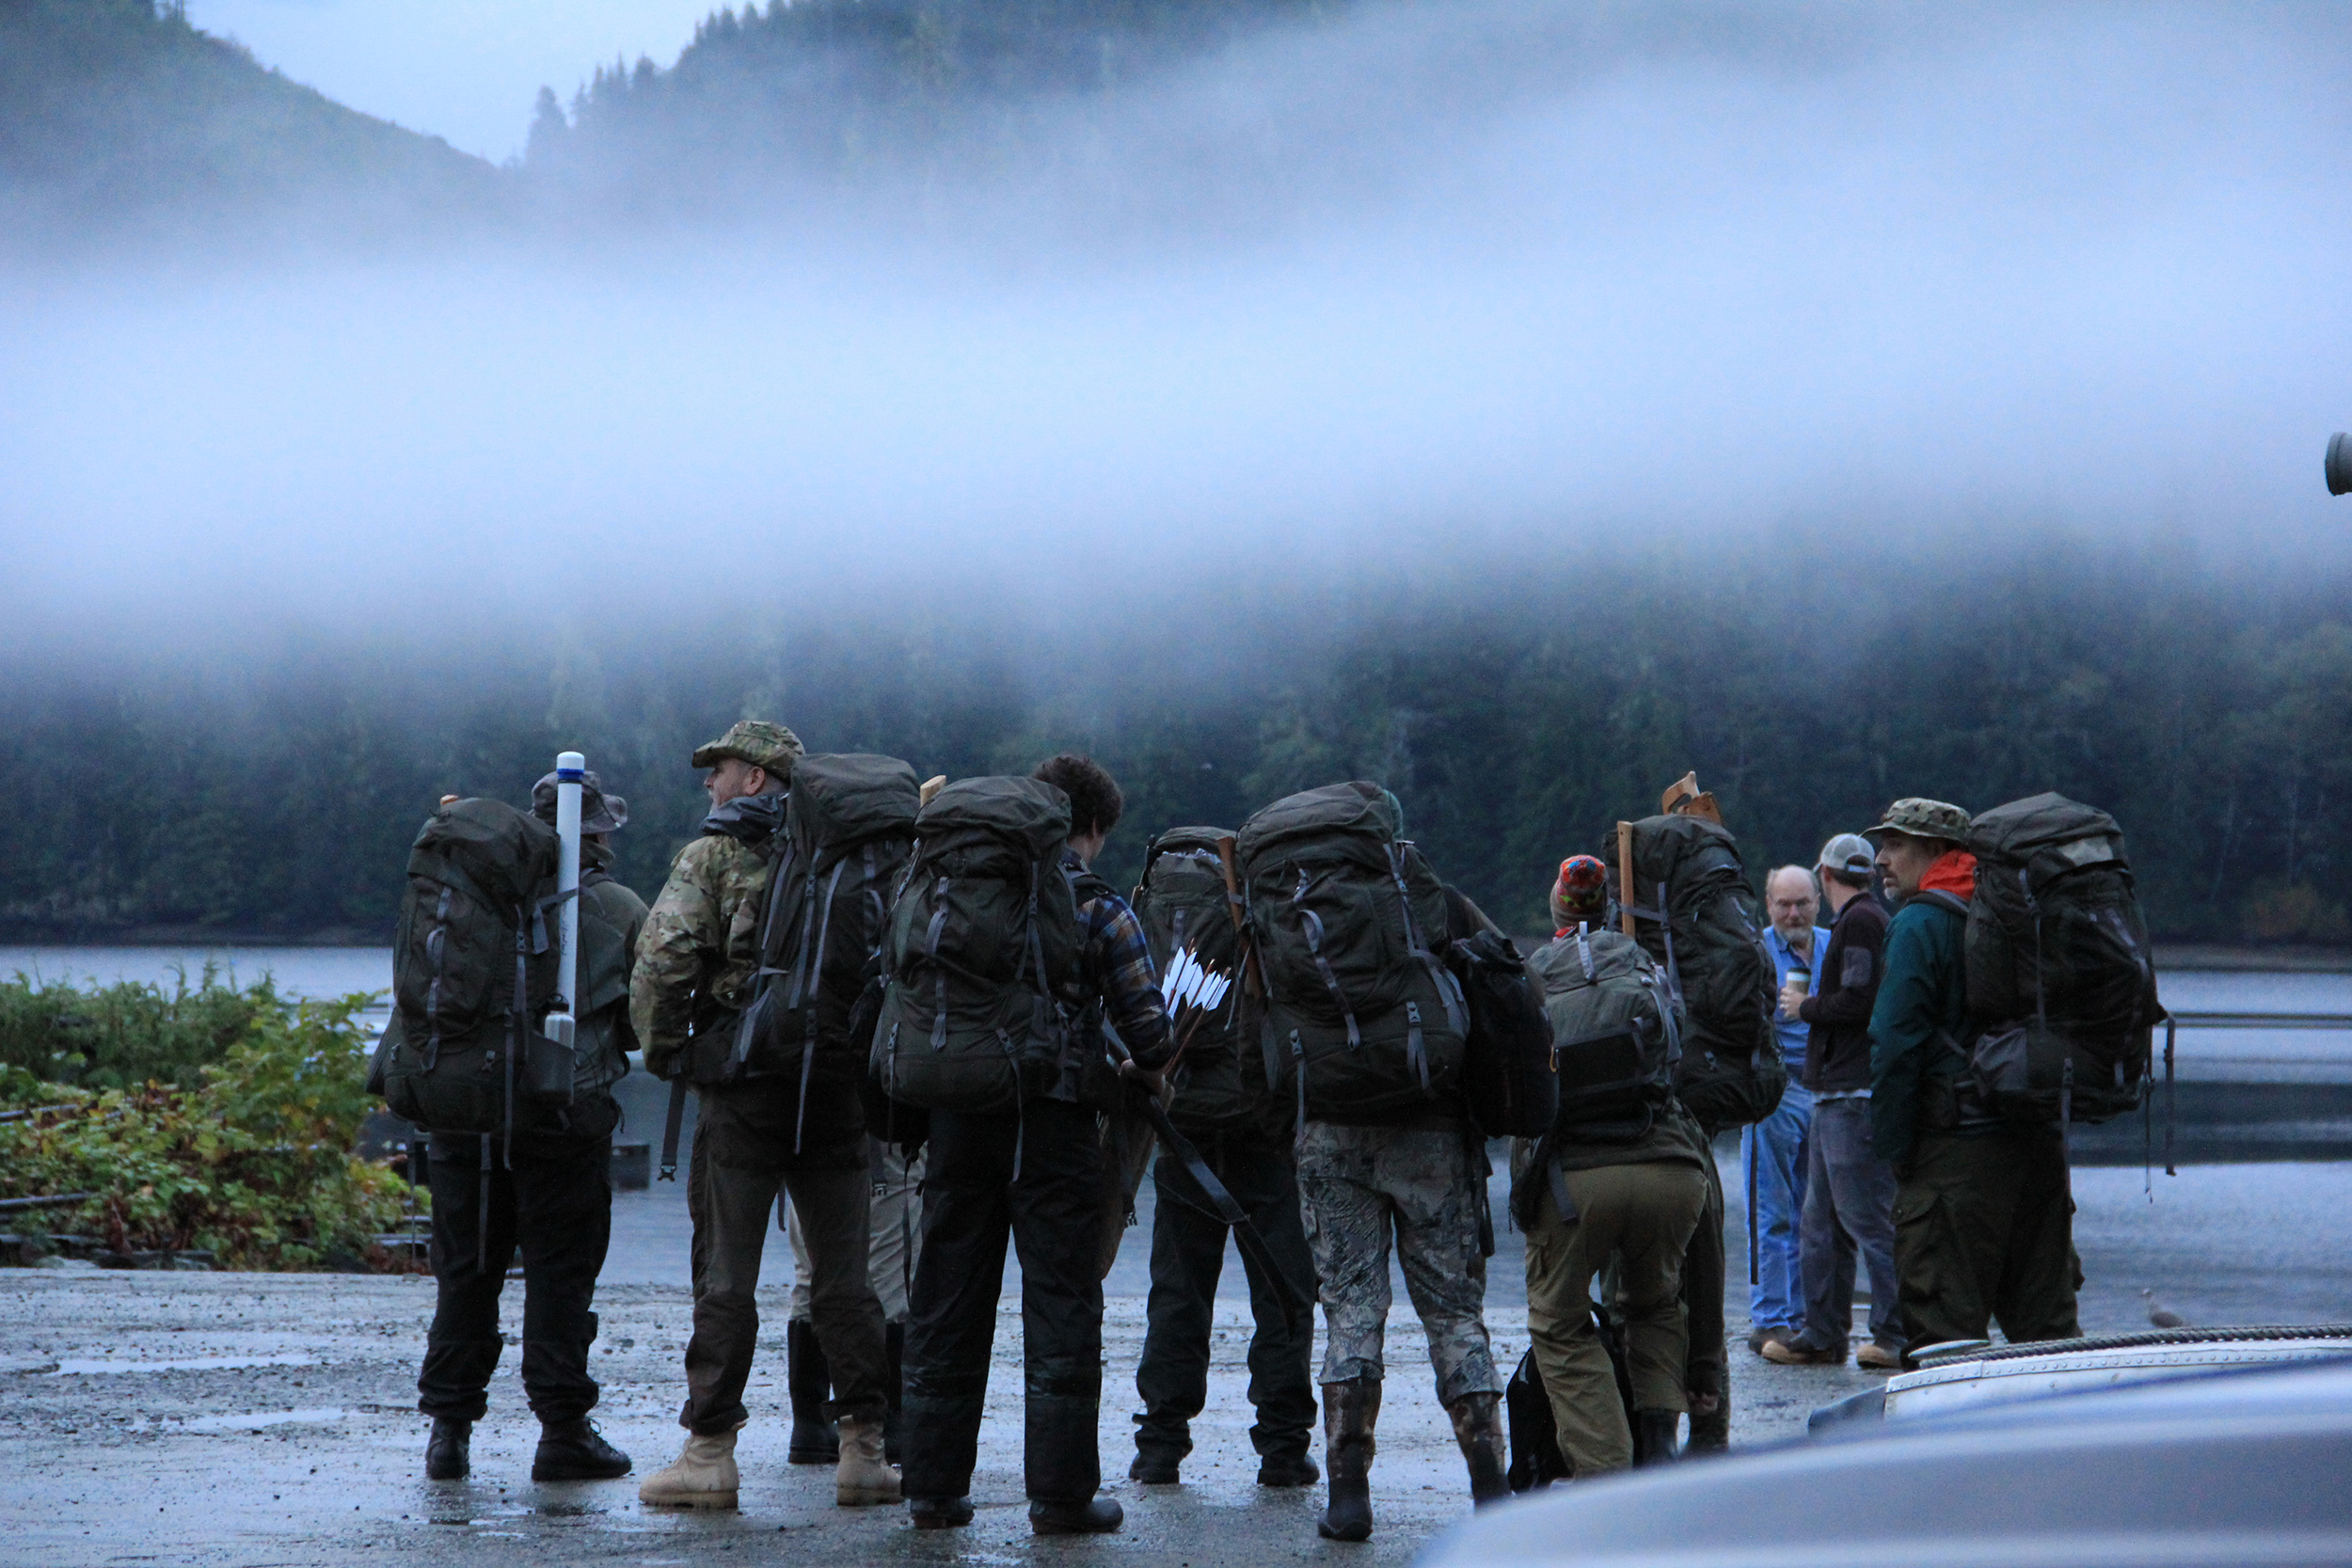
894	1234
1849	1208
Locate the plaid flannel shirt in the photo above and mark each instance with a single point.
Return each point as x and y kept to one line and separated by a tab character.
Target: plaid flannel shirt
1115	962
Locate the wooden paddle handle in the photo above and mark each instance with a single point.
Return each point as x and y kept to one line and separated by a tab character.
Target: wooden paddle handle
1625	876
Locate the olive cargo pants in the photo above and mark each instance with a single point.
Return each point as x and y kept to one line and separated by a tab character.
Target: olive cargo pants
1984	1231
742	1157
1643	1215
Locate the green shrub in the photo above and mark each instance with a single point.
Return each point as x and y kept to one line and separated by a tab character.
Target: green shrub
113	1036
253	1164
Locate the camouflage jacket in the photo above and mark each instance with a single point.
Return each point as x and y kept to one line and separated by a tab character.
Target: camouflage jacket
699	950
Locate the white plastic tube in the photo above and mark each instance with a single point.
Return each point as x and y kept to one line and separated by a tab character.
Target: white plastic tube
569	768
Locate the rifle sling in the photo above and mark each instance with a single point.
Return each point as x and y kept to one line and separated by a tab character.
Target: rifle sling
1229	1209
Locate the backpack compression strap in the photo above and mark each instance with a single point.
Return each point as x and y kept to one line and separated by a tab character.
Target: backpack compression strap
804	983
765	976
1312	925
673	1126
1448	991
939	971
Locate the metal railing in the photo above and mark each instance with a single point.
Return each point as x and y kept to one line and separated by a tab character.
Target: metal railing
2174	1023
2260	1020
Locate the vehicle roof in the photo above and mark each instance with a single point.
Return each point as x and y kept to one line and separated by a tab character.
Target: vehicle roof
2235	1467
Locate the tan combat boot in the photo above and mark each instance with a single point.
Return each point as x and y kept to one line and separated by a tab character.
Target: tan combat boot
862	1480
704	1476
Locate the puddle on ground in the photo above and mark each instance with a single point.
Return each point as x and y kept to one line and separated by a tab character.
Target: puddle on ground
252	1421
105	1365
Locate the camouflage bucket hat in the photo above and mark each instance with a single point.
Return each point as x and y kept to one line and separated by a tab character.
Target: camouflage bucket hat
599	813
1923	818
758	742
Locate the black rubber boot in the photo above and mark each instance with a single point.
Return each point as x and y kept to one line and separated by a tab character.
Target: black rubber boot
575	1450
449	1453
939	1513
1350	1411
1711	1430
1478	1428
1287	1469
895	1346
1152	1468
1656	1433
809	1383
1098	1517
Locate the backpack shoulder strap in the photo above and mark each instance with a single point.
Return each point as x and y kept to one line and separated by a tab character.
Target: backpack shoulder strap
1950	902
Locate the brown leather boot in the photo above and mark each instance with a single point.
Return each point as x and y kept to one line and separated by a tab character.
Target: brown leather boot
1350	1410
1478	1428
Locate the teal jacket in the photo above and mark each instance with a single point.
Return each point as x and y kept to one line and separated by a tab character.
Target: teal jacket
1923	997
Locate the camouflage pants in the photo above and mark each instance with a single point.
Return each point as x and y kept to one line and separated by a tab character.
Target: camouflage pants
1356	1185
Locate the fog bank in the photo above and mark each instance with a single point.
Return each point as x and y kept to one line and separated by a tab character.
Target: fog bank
1514	294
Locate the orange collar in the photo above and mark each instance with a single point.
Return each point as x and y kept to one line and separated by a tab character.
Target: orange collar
1954	872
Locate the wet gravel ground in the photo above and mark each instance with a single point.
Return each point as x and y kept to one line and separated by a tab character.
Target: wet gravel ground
254	1420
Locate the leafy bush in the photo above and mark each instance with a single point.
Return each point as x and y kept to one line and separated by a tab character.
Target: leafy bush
253	1165
113	1036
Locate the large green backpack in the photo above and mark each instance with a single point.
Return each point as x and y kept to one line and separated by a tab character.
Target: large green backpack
1185	909
981	958
1366	1020
473	970
2060	981
849	827
1698	918
1614	1031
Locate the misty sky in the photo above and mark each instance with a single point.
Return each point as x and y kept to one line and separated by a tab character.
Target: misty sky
466	69
1529	295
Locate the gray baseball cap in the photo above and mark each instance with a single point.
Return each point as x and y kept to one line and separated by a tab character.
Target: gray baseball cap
599	813
1923	818
1849	855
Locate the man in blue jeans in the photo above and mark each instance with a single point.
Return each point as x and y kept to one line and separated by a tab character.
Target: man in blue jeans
1848	1191
1773	1153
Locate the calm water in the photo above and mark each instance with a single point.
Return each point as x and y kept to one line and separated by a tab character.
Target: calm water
304	971
2264	1054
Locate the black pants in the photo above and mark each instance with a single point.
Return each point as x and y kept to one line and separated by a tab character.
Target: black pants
555	1206
1707	1370
1187	1255
743	1155
973	1200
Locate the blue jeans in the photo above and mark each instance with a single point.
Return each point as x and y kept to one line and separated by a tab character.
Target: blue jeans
1849	1209
1772	1154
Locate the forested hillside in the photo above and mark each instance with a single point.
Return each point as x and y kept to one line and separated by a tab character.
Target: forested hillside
1516	709
2217	725
839	91
118	118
